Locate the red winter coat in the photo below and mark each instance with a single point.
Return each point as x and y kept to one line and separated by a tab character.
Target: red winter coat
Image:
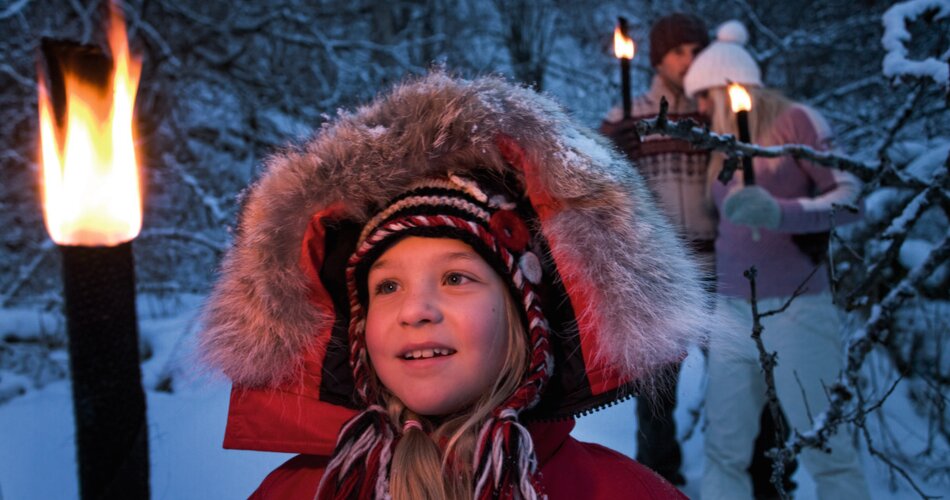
277	323
570	469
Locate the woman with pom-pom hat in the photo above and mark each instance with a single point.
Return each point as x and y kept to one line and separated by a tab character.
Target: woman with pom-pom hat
791	207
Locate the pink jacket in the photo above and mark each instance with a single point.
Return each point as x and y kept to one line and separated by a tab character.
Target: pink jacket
807	194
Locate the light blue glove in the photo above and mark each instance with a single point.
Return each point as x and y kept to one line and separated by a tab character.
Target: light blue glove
752	206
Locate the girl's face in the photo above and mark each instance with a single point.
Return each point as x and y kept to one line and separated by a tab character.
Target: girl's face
436	327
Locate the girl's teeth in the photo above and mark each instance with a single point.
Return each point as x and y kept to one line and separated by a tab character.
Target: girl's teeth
427	353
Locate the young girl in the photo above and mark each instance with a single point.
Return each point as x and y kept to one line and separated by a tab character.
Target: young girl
791	204
421	299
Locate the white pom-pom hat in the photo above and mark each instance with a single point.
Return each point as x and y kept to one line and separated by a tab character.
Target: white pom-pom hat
723	62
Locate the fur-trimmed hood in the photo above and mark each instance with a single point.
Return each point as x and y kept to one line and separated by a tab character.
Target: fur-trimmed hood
635	297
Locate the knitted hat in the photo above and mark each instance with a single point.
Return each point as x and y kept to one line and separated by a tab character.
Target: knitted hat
671	31
725	61
459	208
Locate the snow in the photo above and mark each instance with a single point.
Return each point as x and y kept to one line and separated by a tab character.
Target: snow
878	204
581	150
929	162
185	432
28	323
914	252
186	427
896	35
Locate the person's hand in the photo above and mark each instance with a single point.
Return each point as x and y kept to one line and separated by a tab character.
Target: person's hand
624	135
752	206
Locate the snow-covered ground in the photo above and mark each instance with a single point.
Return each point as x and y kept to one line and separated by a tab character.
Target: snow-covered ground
37	451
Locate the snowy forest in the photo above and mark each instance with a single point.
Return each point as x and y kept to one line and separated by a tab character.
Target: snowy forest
226	83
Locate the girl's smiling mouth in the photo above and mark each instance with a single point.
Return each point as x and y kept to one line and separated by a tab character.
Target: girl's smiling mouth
427	353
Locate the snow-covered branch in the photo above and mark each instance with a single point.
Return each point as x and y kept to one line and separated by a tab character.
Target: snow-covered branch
13	9
895	234
25	273
702	138
187	236
15	75
210	202
843	393
896	62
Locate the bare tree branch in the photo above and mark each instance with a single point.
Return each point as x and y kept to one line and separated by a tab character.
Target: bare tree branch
768	361
26	273
14	9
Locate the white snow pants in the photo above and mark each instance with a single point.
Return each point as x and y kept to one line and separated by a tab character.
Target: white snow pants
807	339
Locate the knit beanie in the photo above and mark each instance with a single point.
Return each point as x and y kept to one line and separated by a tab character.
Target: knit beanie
725	61
674	30
459	208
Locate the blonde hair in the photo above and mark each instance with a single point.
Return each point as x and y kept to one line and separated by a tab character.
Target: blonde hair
422	467
767	105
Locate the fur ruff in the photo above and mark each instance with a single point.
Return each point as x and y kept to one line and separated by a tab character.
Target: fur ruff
649	302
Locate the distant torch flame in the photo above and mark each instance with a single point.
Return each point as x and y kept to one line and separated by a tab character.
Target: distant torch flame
91	191
739	98
623	46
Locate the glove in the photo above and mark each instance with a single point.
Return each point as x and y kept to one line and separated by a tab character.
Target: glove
624	135
752	206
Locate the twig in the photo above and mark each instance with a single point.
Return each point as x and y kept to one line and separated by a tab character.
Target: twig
799	290
801	388
216	246
846	89
898	121
218	215
768	362
13	9
26	272
860	420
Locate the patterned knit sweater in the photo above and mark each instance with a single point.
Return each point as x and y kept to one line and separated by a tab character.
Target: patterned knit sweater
806	193
675	172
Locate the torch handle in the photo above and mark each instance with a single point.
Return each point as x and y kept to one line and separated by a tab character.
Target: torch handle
625	84
748	173
109	403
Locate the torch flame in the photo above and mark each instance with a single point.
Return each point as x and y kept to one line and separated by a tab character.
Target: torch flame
739	98
623	46
91	191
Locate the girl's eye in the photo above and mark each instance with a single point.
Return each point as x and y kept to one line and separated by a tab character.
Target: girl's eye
455	279
384	287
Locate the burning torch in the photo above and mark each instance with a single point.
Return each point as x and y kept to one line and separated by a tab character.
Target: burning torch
624	50
92	209
741	104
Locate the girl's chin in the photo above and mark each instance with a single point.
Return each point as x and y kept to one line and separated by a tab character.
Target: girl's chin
435	408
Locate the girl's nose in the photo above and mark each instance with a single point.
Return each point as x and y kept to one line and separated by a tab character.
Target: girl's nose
419	308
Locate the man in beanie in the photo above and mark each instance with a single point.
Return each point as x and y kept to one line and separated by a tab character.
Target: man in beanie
676	173
674	170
